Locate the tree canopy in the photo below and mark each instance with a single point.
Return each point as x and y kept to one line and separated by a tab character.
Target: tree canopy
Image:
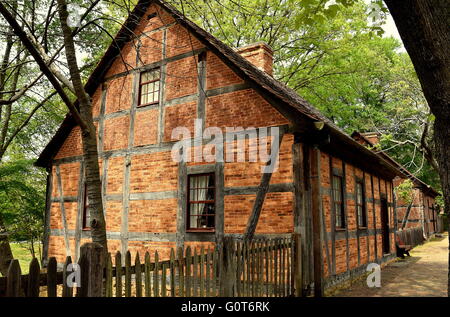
336	57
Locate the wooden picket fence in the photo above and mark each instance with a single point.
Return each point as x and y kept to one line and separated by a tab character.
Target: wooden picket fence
260	268
411	236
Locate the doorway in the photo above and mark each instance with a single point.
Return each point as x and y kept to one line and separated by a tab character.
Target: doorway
385	226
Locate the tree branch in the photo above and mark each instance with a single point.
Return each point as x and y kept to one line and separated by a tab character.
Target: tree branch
41	63
426	148
25	122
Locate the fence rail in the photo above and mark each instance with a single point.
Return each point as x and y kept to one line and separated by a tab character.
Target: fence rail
259	268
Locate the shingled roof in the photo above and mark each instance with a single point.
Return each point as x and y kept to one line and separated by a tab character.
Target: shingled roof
341	143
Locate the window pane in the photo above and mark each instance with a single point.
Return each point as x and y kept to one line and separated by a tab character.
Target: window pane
150	98
201	201
193	222
359	213
149	88
337	208
358	193
153	75
337	188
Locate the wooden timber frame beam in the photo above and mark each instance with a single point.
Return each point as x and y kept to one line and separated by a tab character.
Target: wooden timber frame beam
308	219
316	219
261	195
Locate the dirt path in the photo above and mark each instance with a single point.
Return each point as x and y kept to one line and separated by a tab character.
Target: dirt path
423	274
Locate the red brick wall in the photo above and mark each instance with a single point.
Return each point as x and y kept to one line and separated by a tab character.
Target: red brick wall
153	173
125	61
218	74
142	247
365	241
113	215
72	145
151	48
162	18
181	78
180	115
114	184
246	107
96	102
116	133
153	216
420	213
145	128
180	41
118	94
276	215
56	248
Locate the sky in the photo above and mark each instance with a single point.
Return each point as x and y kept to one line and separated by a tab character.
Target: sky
390	29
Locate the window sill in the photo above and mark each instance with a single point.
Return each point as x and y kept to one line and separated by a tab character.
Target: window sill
148	104
200	230
340	229
86	229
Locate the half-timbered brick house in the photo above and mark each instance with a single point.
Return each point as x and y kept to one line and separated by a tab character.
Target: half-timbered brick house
419	213
162	72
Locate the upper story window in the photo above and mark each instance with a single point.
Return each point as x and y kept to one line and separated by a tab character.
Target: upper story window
338	201
361	205
149	87
201	202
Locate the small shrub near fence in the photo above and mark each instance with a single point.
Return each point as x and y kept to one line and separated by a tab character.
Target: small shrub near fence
260	268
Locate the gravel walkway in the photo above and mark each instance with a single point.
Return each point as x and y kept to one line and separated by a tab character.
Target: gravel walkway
424	274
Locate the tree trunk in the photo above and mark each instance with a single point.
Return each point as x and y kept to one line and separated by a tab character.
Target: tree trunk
424	28
83	118
89	135
5	249
33	253
6	255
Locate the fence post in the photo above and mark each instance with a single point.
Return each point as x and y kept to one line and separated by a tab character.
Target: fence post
67	291
33	279
227	274
94	260
297	265
51	277
13	280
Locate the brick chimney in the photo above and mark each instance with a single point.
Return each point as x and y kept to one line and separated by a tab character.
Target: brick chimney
372	137
259	54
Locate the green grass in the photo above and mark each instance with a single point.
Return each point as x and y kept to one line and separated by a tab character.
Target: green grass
22	253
